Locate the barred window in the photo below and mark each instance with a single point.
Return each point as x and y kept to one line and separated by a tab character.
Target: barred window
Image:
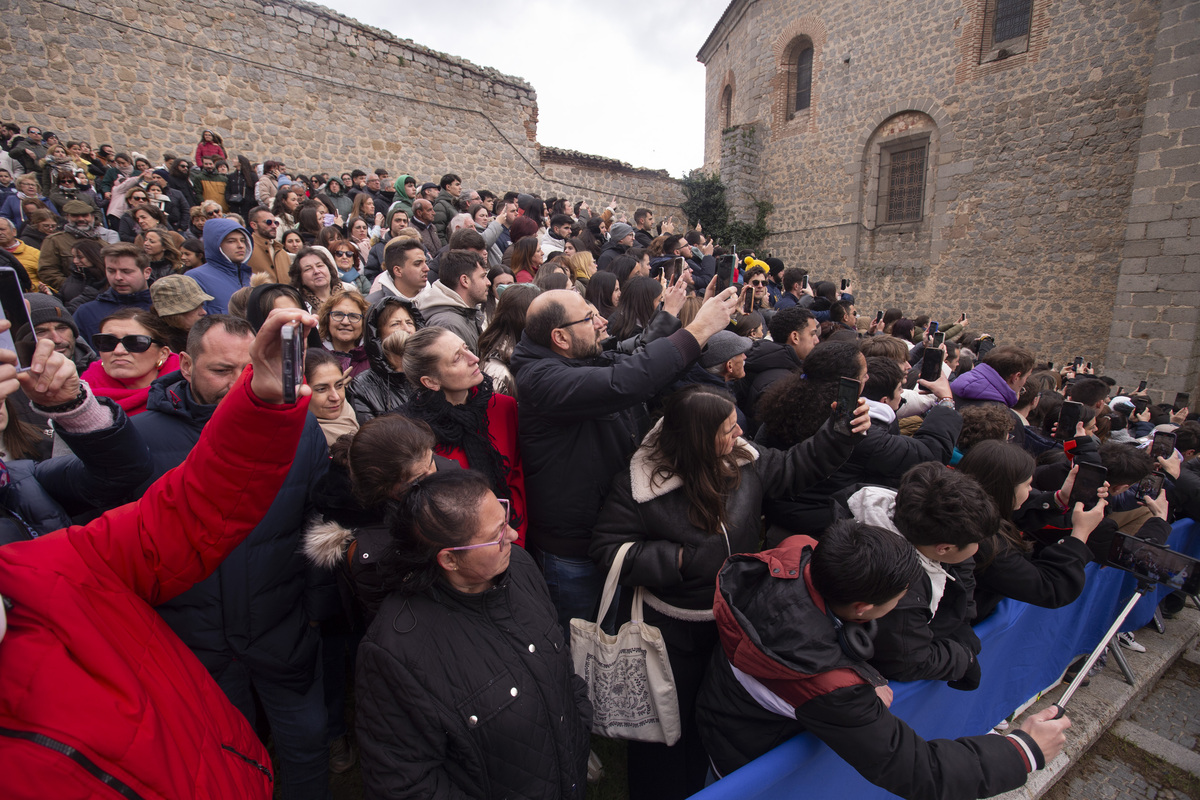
906	185
1011	20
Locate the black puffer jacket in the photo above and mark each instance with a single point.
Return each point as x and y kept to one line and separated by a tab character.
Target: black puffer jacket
381	388
766	363
472	695
654	514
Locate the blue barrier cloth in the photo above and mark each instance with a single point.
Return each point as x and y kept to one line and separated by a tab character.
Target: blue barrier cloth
1024	650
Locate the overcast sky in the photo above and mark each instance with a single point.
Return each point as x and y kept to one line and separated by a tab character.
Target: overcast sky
635	49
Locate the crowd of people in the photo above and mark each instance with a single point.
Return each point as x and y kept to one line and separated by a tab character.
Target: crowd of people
501	392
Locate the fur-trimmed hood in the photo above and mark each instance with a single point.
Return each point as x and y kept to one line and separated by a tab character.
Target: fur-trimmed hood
325	542
642	480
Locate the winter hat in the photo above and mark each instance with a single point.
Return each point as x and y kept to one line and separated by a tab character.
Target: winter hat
77	207
722	346
44	308
619	231
177	294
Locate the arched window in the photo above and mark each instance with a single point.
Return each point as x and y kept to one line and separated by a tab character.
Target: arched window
726	110
799	72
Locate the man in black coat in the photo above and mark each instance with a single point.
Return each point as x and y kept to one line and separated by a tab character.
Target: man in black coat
252	623
582	416
794	333
788	620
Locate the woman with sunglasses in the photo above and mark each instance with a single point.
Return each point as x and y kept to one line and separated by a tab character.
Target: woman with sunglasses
511	720
474	425
348	259
340	323
132	344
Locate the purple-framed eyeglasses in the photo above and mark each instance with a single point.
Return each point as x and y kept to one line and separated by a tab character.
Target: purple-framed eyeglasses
499	539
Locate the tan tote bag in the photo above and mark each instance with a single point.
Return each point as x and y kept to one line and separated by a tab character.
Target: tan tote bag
629	675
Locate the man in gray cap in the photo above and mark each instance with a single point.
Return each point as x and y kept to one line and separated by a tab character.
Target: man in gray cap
722	361
54	262
52	321
620	239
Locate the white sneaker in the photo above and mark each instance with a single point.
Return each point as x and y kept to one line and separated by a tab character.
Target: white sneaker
1127	641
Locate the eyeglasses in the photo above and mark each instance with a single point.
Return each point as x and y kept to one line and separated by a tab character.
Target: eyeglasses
134	343
342	316
758	283
270	222
211	214
140	197
346	253
499	539
588	318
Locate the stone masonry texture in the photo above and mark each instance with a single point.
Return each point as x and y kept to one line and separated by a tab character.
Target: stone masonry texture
294	81
1062	181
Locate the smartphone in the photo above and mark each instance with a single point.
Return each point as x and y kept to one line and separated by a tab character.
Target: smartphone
878	317
1088	481
1089	365
748	300
20	337
845	283
1150	485
676	270
931	364
804	282
291	338
1154	563
962	318
847	402
1068	418
1050	365
732	270
1078	363
939	339
933	327
1141	386
1164	445
1140	404
327	220
1181	401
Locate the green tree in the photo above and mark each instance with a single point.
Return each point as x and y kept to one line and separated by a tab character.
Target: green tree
705	203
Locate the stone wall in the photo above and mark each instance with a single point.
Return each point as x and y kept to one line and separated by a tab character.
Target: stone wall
1032	153
1156	315
290	80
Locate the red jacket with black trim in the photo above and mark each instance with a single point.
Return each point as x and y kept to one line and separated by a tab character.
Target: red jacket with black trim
95	690
780	672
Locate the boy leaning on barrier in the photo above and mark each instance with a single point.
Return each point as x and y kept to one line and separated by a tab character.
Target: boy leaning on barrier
794	625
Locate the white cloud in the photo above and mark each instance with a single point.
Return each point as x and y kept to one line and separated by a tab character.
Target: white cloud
619	80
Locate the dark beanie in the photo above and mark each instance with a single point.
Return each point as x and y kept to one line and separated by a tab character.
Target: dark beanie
44	308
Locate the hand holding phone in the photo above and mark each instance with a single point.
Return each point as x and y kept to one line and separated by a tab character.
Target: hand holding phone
20	338
1088	481
1182	399
939	338
931	364
1070	416
847	402
1164	445
291	346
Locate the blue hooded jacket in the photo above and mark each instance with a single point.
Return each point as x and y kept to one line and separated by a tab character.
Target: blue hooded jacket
219	276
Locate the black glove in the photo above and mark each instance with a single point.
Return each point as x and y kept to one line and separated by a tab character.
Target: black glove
967	638
970	679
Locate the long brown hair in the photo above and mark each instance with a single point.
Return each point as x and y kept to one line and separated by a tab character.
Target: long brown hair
999	467
21	439
686	446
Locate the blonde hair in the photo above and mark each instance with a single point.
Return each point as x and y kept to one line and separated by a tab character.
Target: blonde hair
581	264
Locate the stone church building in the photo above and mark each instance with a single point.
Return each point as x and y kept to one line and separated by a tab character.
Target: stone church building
1034	164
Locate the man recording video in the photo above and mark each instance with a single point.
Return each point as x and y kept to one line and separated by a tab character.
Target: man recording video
794	626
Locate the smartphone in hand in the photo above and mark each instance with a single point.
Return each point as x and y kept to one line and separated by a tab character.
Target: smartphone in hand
1068	418
20	337
847	402
1164	445
291	338
931	364
1088	481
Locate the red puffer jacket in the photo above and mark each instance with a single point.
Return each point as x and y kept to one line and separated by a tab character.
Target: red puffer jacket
98	697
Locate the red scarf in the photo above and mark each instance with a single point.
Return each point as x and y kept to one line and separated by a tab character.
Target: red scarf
132	400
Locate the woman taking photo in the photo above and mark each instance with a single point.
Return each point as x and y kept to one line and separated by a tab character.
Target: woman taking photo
133	349
474	426
497	341
341	329
383	387
691	497
526	259
324	375
511	720
179	302
639	302
1005	565
315	278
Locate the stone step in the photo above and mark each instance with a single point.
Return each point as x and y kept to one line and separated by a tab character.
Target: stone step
1131	742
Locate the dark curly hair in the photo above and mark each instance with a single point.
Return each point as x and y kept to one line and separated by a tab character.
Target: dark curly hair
794	408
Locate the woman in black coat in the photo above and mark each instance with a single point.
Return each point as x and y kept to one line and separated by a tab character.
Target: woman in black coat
692	496
465	687
383	387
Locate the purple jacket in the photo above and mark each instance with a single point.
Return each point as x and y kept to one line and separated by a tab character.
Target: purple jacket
983	384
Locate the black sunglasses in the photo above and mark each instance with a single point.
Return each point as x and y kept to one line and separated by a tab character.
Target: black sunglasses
134	343
346	253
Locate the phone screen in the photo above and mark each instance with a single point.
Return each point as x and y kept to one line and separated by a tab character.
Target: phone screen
933	327
1078	363
1164	445
1154	563
939	339
20	337
676	270
1182	399
292	345
845	283
931	364
1088	481
847	401
962	318
1140	404
804	282
748	301
1150	485
1141	386
879	317
1068	418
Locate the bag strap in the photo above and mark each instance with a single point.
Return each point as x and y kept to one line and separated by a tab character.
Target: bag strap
610	583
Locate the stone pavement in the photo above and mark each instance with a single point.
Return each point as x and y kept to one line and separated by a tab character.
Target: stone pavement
1132	742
